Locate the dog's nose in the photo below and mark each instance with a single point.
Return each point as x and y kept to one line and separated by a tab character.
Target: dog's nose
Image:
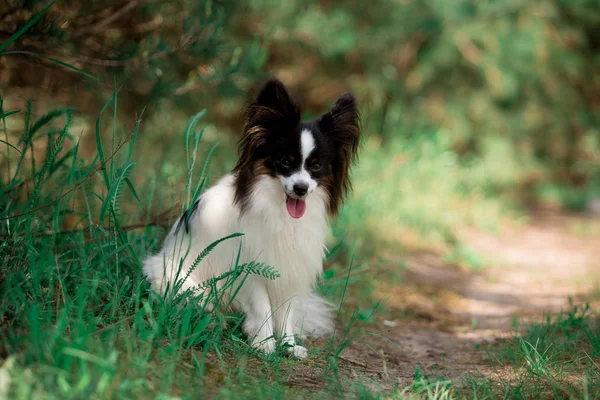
300	189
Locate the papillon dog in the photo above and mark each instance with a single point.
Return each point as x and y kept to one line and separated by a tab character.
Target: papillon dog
290	178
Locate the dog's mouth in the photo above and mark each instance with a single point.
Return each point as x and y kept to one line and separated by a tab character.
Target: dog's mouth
295	207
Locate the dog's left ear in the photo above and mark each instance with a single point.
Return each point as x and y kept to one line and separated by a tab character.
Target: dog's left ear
342	125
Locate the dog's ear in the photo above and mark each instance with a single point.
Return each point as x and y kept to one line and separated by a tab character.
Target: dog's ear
341	125
273	112
273	108
275	96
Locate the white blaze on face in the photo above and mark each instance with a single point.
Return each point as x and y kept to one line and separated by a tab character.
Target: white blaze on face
307	145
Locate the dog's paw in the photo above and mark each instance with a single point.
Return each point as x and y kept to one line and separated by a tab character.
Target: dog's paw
299	351
266	346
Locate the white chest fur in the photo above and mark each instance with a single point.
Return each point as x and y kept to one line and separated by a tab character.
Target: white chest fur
294	247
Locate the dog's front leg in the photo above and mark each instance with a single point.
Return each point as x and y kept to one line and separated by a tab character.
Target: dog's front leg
259	322
284	324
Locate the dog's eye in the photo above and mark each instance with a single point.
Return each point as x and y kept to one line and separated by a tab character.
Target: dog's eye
316	167
285	161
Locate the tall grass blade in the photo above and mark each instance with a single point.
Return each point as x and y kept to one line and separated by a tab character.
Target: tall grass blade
52	59
34	20
112	197
99	145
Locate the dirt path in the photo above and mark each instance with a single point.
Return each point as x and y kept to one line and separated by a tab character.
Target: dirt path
442	314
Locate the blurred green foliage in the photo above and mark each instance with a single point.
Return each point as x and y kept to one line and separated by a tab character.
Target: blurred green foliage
180	50
464	104
516	80
525	72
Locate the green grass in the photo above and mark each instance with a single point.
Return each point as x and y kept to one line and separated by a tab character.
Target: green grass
557	358
413	192
78	319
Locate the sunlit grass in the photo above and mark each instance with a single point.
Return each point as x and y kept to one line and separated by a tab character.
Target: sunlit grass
413	194
551	359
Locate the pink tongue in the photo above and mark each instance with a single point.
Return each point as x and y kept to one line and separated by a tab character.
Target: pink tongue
295	207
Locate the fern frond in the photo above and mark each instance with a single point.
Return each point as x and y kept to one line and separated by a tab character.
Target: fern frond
207	251
266	271
251	268
52	153
43	120
114	192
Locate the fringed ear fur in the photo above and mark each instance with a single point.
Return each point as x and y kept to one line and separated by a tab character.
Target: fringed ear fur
341	125
272	111
272	108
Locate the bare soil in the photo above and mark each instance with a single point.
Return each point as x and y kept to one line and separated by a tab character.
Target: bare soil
441	317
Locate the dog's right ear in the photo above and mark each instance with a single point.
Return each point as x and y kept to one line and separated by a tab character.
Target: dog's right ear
273	108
